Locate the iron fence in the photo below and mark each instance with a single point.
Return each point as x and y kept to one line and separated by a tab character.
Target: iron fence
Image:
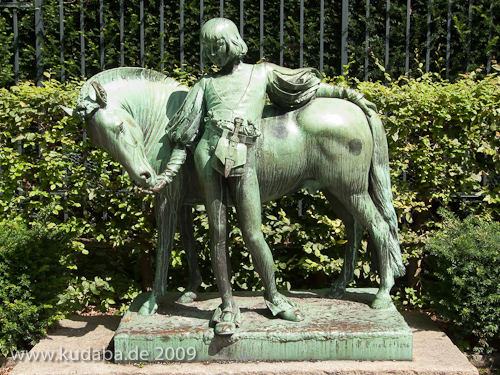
397	32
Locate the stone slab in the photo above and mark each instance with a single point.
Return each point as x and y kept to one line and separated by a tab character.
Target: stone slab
332	329
433	354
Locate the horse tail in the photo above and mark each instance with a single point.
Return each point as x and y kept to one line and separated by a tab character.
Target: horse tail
381	193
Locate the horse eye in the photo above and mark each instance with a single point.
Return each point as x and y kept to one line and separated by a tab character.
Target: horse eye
120	127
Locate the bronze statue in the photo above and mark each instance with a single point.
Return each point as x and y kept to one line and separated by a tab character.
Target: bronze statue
245	152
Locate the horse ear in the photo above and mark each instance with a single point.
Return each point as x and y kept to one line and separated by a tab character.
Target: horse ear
69	111
102	97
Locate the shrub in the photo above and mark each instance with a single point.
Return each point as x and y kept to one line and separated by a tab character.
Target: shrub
32	274
462	280
444	145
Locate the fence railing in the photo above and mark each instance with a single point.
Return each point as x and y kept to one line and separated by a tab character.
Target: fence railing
97	34
466	31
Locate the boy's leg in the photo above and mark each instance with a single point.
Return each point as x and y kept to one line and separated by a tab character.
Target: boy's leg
246	195
226	316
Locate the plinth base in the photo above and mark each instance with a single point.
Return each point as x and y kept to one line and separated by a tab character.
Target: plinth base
333	329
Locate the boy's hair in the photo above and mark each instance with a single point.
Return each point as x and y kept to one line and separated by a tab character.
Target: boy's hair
223	29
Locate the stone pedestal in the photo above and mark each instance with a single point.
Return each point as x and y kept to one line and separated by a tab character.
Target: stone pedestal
333	329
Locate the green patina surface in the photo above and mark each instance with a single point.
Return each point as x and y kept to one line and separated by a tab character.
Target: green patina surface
333	329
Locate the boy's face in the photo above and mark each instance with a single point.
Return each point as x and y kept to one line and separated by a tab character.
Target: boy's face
217	52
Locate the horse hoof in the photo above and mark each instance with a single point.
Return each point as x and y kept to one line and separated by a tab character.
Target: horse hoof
293	315
336	292
188	297
381	302
149	307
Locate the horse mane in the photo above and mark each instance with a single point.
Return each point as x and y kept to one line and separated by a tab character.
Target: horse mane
86	102
142	93
125	73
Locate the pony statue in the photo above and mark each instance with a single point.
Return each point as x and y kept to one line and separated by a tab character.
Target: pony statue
335	149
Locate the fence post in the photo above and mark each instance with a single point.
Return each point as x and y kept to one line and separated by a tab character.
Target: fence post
387	34
181	36
162	35
16	45
242	16
448	39
469	37
141	33
101	33
39	35
282	16
122	34
428	41
408	21
321	34
345	26
202	6
301	54
82	40
488	63
261	28
367	39
61	39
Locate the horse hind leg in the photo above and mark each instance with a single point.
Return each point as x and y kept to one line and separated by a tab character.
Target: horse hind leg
354	231
361	206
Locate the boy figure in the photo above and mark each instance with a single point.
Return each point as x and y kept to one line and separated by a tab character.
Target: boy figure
225	110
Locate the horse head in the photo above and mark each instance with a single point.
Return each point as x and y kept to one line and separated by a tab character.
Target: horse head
113	129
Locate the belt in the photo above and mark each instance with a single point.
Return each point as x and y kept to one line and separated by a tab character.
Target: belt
218	126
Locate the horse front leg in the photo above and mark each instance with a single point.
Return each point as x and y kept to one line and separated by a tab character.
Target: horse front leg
166	219
188	242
